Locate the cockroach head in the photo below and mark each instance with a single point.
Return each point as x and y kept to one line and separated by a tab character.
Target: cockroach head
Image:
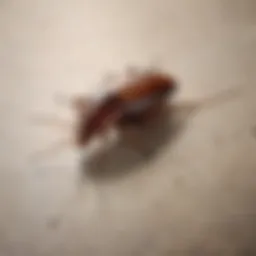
167	83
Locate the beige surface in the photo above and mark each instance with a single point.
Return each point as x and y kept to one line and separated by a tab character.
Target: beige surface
195	197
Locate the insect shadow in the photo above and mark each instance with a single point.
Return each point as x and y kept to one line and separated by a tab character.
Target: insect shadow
122	158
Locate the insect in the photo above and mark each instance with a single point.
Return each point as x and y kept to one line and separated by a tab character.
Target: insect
135	104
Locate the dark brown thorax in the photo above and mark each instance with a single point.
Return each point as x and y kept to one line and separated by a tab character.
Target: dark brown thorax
99	118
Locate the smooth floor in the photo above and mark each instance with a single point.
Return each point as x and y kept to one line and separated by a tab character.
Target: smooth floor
193	195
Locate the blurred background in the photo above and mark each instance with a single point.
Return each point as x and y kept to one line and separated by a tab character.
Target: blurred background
195	197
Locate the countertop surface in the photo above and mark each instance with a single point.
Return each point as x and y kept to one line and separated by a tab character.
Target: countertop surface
195	195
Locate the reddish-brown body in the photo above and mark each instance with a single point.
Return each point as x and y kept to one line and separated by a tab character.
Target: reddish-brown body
132	105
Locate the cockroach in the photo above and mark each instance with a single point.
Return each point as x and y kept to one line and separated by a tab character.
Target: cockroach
133	105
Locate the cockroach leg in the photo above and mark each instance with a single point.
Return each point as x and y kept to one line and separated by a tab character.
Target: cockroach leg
109	80
132	72
81	104
184	107
77	103
49	120
151	70
53	148
154	65
192	106
219	98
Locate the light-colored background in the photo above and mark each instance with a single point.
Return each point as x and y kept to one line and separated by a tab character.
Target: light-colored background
196	197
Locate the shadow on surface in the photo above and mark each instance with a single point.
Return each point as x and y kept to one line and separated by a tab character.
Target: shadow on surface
121	160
